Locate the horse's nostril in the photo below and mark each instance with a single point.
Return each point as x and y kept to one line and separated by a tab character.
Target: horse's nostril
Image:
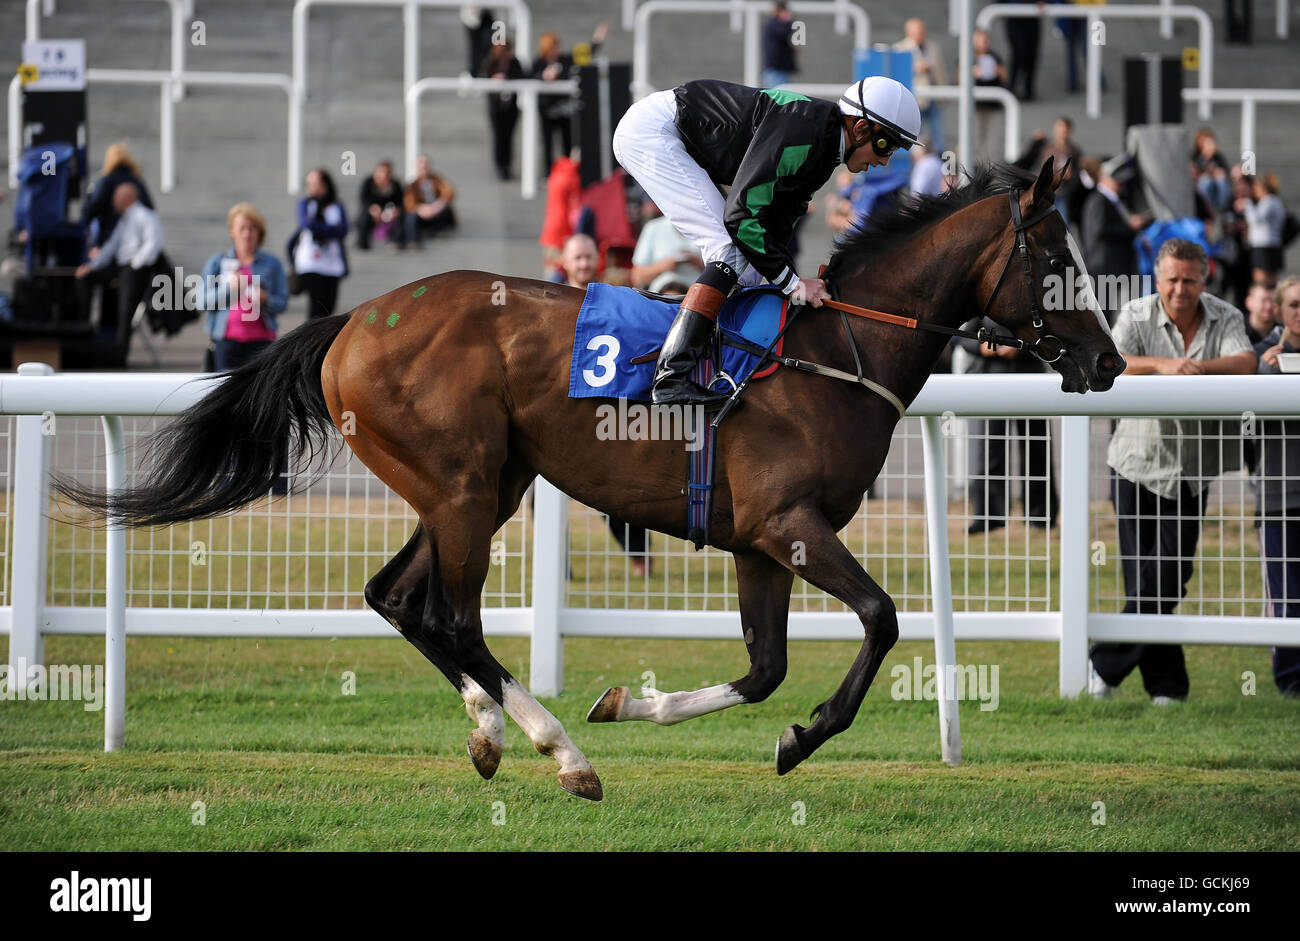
1110	365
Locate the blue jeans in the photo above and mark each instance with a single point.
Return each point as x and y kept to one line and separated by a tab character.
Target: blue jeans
932	118
773	77
1280	546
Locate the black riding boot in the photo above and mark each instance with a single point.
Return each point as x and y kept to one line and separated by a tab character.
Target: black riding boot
689	340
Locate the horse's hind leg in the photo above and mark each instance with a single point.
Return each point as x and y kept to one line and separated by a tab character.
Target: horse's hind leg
764	589
398	592
460	533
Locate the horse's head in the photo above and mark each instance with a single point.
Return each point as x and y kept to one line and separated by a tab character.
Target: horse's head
1042	292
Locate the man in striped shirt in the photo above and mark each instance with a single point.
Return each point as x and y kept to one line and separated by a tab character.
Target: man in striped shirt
1162	469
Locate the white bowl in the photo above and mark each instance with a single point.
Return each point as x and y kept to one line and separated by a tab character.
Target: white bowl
1288	362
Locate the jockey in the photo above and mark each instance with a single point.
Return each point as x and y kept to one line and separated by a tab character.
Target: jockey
774	149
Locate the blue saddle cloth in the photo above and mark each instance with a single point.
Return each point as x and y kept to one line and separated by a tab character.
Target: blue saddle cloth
617	325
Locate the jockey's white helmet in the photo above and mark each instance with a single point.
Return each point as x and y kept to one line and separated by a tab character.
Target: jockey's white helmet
888	103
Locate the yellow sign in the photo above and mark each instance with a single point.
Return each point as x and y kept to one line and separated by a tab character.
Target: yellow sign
582	53
1191	58
27	73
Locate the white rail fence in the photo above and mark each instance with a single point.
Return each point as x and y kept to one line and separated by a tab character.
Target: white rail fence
752	10
1100	15
556	610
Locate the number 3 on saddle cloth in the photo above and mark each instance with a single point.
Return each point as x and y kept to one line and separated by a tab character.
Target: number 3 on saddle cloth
616	345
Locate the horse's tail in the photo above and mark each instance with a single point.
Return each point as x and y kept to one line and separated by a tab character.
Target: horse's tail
227	449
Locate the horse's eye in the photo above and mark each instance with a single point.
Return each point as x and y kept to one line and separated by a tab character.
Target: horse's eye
1057	263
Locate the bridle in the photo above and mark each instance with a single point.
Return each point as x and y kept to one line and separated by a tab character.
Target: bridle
1047	347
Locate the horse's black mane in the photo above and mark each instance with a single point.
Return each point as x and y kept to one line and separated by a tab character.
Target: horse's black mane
915	212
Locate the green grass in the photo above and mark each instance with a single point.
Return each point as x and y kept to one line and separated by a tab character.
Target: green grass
260	732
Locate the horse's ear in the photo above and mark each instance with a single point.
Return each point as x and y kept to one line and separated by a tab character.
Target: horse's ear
1045	186
1059	177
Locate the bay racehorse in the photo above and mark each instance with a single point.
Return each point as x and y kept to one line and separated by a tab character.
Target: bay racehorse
453	391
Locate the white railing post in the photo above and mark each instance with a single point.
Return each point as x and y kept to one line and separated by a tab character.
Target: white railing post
178	49
294	170
945	647
550	576
167	136
1283	18
411	51
1075	577
1092	62
1167	21
1248	125
753	49
528	144
30	538
15	128
115	594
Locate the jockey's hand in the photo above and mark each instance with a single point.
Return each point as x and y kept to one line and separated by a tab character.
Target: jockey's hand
809	291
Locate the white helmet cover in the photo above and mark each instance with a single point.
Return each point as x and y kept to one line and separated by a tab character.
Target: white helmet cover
887	102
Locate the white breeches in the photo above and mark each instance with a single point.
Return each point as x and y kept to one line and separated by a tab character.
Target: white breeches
647	146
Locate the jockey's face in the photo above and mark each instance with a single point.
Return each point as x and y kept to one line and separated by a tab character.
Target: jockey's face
858	138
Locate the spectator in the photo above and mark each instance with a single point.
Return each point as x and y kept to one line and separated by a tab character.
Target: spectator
478	36
557	111
1107	229
1261	314
992	439
1073	32
127	257
1210	171
663	255
316	250
1022	35
927	178
779	63
1264	219
1277	489
563	205
119	167
381	209
503	110
427	204
1234	251
1237	13
1063	151
580	259
1162	469
989	70
840	214
245	291
927	69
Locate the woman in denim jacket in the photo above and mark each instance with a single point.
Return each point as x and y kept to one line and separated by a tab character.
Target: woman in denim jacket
245	289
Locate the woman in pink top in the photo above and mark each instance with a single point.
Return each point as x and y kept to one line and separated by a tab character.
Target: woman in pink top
246	289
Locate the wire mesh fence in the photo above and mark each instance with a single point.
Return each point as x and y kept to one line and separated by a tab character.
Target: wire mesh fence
315	549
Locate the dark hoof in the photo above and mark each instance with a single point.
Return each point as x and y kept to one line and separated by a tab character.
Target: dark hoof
609	706
484	753
788	750
583	783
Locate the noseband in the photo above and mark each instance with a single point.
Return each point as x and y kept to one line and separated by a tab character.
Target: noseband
1047	347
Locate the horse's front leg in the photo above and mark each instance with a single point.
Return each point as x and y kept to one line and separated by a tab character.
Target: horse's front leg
828	564
764	590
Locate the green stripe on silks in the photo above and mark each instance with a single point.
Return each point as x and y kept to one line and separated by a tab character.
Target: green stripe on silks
751	231
783	97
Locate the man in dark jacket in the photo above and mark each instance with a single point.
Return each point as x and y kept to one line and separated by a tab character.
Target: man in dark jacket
1108	229
774	149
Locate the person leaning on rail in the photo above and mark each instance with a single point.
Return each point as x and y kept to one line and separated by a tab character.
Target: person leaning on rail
774	149
1161	469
